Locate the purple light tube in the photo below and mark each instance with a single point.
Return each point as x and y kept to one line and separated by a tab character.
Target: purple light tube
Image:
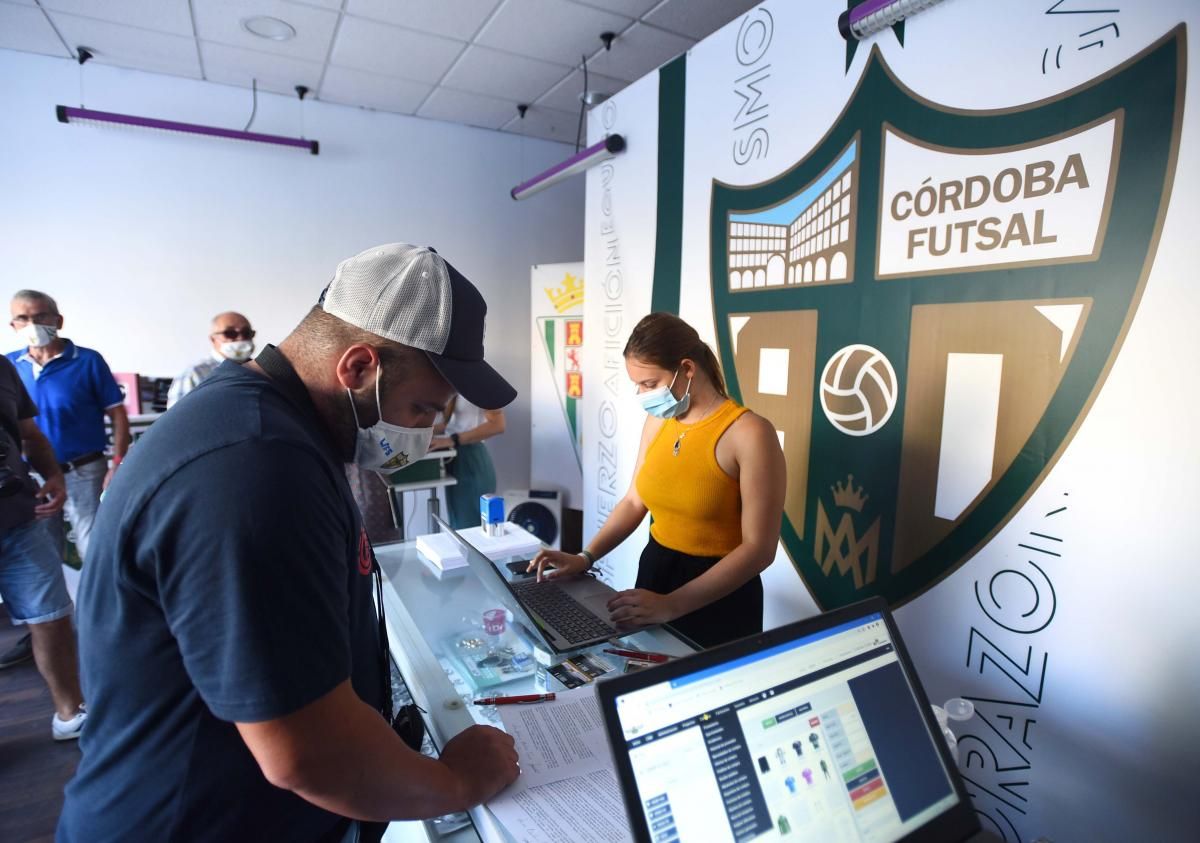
872	16
577	163
67	114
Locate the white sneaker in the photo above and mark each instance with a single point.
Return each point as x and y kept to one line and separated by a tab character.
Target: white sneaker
68	730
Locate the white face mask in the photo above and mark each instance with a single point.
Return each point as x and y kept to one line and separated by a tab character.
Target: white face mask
385	447
38	336
239	351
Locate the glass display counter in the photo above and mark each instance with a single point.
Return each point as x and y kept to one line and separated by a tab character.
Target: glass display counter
446	656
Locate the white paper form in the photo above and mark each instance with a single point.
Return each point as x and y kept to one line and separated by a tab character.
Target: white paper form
568	790
579	809
557	739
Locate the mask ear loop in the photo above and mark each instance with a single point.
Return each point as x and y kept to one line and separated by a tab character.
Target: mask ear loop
687	391
378	408
378	378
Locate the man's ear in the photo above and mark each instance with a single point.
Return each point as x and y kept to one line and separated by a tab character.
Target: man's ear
358	366
60	322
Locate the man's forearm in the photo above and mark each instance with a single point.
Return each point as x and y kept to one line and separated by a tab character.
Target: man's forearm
41	456
367	772
121	437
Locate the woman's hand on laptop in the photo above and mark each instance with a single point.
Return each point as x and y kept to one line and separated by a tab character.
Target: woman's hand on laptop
556	563
637	607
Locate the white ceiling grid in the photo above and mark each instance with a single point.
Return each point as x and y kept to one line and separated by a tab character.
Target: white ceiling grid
461	61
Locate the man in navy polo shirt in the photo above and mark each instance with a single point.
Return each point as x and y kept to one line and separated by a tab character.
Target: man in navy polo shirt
230	567
74	390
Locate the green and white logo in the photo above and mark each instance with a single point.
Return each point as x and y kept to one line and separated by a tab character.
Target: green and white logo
927	305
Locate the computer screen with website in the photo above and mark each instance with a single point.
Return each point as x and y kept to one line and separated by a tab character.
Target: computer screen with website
816	738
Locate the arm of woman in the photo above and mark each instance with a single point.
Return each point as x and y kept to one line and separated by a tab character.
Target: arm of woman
762	480
620	524
493	425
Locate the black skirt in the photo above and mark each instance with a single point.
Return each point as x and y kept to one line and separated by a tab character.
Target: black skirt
736	615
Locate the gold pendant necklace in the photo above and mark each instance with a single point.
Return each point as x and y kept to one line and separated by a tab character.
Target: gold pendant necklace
679	438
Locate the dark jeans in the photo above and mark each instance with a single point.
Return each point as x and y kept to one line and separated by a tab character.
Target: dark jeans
736	615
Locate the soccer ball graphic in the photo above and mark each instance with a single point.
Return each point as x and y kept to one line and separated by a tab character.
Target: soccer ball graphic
858	390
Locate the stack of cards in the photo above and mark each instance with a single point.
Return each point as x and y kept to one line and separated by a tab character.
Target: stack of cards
580	670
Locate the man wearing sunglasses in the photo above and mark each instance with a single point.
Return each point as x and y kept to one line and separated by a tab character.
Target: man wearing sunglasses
232	338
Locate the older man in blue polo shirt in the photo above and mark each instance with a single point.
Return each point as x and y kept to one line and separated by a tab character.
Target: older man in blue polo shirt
74	390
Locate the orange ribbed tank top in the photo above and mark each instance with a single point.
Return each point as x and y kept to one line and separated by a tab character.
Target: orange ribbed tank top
696	507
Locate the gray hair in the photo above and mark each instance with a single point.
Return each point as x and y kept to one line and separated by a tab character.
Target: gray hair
39	298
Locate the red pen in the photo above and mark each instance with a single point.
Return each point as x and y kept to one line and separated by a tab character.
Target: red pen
657	658
521	698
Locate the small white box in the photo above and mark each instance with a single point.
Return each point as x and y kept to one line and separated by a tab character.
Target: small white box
442	551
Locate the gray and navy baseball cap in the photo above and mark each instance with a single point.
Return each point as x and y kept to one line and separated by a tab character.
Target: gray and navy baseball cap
413	296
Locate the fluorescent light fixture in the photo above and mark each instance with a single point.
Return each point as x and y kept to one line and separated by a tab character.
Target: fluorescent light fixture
577	163
273	29
86	116
872	16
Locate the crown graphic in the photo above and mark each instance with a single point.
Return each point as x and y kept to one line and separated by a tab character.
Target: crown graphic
847	496
569	295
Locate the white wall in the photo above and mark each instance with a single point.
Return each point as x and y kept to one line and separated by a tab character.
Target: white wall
143	236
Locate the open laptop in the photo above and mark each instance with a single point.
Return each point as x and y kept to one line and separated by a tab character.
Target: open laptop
816	731
568	614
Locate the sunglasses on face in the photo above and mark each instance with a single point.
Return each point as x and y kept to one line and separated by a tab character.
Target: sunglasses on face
236	334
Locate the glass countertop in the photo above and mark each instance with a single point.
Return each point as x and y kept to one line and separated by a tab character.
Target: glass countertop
437	637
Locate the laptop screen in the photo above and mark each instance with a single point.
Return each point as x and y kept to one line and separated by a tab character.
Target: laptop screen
819	738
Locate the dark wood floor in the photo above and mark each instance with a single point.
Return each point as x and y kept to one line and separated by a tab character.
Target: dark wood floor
33	767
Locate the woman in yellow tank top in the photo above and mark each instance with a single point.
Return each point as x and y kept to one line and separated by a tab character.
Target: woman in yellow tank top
711	474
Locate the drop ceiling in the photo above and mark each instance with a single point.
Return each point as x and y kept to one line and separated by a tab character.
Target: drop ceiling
461	61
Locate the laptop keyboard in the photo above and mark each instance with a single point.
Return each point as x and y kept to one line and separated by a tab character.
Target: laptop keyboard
564	613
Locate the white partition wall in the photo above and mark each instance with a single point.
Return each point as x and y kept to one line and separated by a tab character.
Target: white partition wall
144	236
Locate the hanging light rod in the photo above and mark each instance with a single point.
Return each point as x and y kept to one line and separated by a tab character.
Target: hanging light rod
577	163
872	16
67	114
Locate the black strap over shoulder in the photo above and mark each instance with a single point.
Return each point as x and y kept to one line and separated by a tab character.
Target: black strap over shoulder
284	376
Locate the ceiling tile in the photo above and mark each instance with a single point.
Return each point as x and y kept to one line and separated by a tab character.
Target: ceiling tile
126	46
565	95
235	66
26	28
460	19
484	71
640	50
221	21
552	30
160	15
381	48
472	109
629	8
697	20
386	93
546	123
336	5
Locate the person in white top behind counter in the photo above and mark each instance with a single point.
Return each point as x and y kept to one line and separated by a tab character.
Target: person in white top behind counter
232	338
464	427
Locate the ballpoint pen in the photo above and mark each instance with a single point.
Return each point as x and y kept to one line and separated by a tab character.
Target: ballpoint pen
520	698
657	658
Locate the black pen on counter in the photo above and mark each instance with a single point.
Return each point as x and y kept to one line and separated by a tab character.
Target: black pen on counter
517	700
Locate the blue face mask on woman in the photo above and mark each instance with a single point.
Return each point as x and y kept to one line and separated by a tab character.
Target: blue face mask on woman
662	402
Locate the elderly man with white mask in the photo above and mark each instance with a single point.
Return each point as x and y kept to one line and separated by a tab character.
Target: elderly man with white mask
232	338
